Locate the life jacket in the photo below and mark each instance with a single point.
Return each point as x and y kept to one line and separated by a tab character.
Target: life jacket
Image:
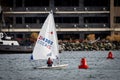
49	61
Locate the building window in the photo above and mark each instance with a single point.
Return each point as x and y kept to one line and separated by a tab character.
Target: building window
57	19
41	19
30	20
34	19
7	3
117	19
99	3
27	35
18	20
19	36
68	36
96	19
65	3
67	19
36	3
116	2
9	20
18	3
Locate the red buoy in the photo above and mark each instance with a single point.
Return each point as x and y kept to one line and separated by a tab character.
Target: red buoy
110	55
83	64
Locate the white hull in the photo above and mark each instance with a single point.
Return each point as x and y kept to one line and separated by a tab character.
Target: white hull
62	66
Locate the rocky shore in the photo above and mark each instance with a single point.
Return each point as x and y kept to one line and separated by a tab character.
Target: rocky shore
83	46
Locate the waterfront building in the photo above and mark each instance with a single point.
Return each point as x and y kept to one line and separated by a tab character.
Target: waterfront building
74	19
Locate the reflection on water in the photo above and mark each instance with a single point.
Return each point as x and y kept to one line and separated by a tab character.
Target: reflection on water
20	67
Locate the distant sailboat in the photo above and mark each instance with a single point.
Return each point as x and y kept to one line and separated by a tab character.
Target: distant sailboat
47	43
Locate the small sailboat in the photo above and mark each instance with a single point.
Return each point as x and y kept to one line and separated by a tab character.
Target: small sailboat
47	44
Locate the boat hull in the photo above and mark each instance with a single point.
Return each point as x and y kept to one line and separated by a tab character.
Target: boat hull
62	66
15	49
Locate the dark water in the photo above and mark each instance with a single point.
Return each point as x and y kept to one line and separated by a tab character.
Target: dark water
20	67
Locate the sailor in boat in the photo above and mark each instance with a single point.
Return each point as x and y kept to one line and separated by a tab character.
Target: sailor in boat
49	62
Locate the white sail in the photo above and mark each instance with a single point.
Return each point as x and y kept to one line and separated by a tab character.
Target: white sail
47	41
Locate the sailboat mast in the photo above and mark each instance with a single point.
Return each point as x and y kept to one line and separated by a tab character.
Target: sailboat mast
2	21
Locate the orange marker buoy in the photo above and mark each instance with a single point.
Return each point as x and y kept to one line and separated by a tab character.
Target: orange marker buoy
110	55
83	64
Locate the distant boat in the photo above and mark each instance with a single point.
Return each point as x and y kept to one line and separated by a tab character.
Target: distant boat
47	44
12	46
